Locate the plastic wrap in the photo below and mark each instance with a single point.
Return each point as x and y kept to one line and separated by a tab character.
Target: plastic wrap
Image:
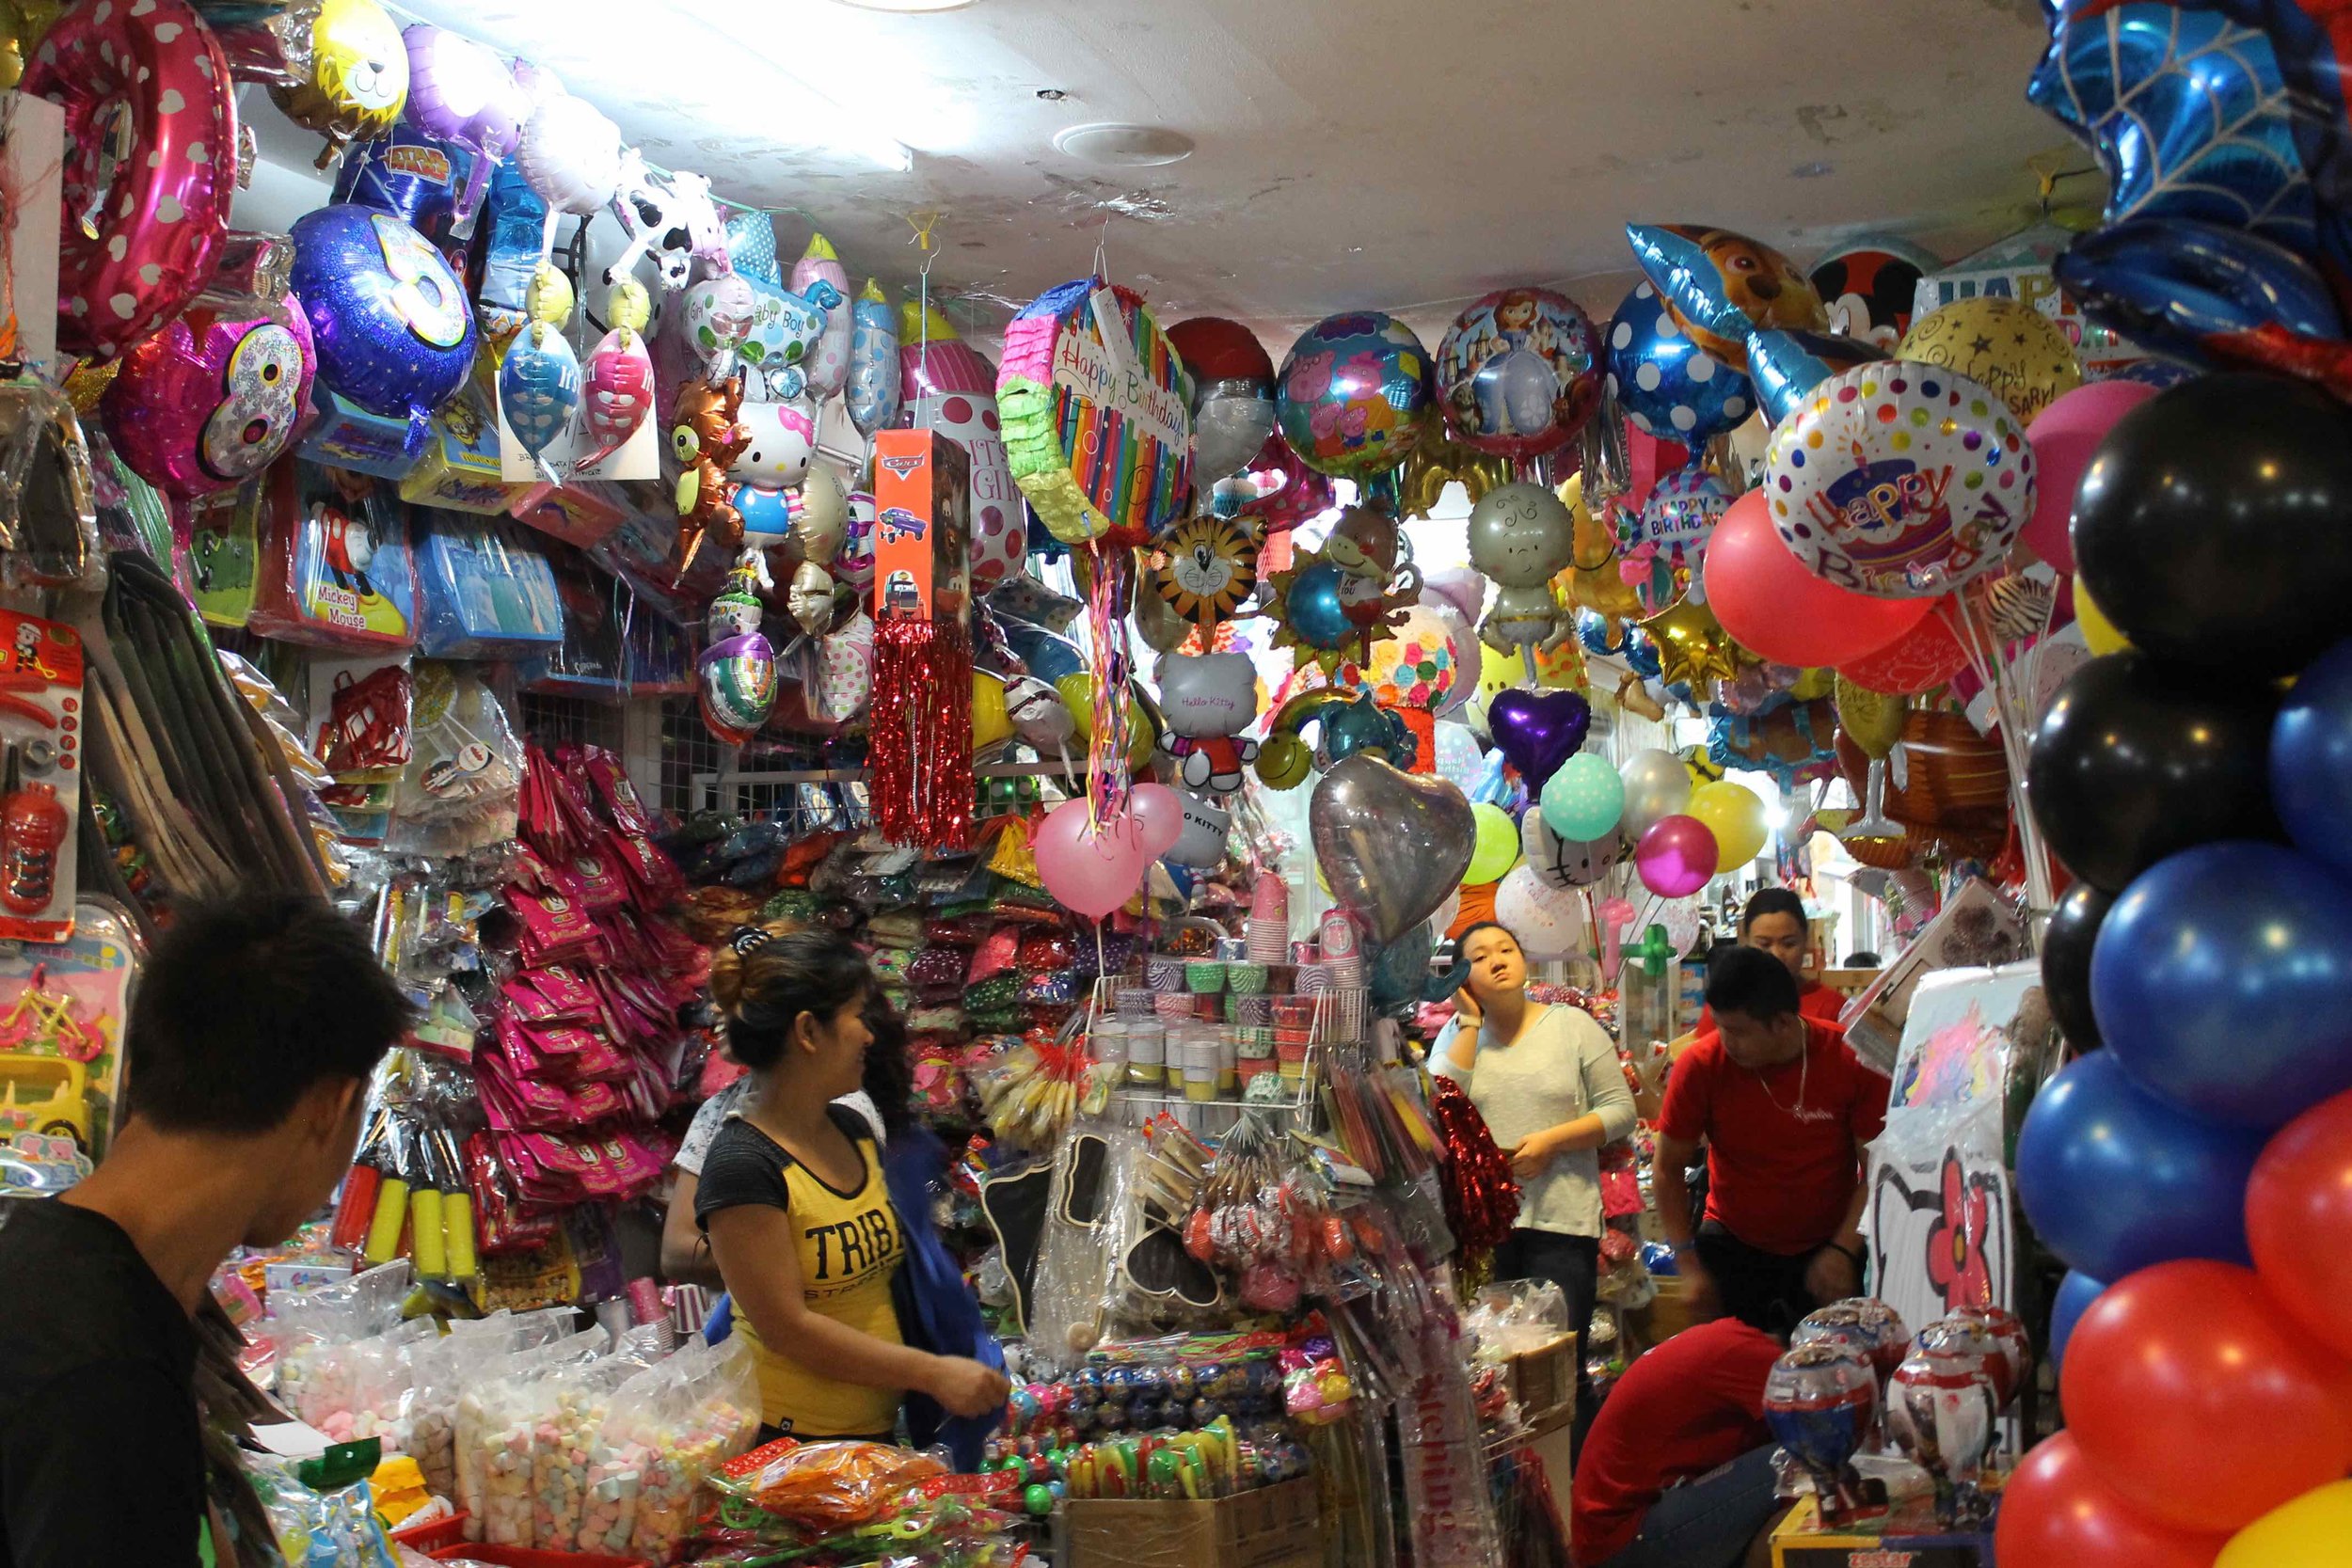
486	589
336	569
309	1324
463	781
668	1431
1085	1225
362	1388
335	1527
493	1440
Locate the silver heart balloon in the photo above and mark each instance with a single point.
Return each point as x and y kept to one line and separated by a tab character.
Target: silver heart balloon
1392	844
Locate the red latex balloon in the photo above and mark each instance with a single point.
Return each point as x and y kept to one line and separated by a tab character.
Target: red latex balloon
1780	611
2198	1402
2055	1513
1921	659
2298	1220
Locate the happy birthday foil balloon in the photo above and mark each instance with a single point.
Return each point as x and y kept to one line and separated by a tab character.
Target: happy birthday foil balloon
393	327
352	69
872	391
539	379
616	385
211	399
2006	345
1718	286
736	680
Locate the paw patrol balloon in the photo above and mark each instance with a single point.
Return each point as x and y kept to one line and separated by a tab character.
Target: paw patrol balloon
1718	286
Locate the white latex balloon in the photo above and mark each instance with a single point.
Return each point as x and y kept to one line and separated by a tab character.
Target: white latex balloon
570	155
1548	922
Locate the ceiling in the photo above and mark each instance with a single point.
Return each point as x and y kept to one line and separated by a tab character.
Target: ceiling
1405	154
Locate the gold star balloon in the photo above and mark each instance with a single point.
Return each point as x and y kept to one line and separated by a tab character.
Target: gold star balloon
1694	649
1438	460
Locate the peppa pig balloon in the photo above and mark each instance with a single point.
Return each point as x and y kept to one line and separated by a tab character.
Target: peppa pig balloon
393	329
617	390
461	93
211	399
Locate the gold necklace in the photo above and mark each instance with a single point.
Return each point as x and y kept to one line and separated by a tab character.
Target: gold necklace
1805	1070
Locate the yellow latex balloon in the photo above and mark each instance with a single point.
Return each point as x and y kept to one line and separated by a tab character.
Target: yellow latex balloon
1873	719
1077	695
2099	633
1735	817
1814	683
990	723
2313	1531
1496	849
2009	347
1283	762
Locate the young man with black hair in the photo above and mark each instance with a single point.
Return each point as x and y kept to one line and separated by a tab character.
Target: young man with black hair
256	1025
1786	1110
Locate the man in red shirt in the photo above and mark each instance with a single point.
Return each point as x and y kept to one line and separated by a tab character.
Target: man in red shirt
1786	1110
1689	1411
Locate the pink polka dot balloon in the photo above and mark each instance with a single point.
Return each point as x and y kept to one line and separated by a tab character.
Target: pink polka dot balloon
1900	481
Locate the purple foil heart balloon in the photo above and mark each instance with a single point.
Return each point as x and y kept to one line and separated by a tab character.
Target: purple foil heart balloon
1538	730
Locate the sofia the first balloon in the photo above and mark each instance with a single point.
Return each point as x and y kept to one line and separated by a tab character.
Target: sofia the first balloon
212	397
394	331
1519	372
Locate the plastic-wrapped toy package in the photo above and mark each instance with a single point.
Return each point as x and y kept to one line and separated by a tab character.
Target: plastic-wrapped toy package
667	1432
1512	1316
462	781
486	589
362	1388
593	659
322	1510
494	1436
825	1488
335	565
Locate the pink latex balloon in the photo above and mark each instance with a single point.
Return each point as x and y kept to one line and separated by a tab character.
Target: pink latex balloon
1676	857
1089	870
1613	915
1159	814
154	225
2065	438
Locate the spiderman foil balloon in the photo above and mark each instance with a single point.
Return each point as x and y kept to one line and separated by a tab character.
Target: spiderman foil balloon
2222	127
209	401
1821	1401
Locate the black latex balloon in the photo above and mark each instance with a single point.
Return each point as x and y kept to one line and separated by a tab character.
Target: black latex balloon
2066	963
2213	523
2138	759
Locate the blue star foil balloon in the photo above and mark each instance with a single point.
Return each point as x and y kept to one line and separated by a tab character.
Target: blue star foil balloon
394	330
1666	384
1721	286
2214	296
539	387
2188	113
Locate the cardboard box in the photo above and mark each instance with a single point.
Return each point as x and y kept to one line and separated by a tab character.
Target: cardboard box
923	527
32	154
459	466
1276	1527
1544	1381
1799	1542
348	436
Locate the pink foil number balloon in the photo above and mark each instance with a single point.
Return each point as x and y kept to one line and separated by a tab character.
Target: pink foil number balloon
213	397
142	232
461	93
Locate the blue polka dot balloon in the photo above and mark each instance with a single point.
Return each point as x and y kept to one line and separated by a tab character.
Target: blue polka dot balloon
1666	386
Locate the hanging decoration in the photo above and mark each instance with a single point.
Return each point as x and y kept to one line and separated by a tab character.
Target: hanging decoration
946	384
539	379
1338	601
1522	536
461	93
1719	287
1232	396
1096	427
706	437
920	766
1438	460
1212	570
1667	386
1482	1196
350	71
2005	345
873	385
616	385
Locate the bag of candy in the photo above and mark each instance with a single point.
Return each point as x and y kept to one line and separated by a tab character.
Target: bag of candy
668	1431
322	1509
567	1413
494	1435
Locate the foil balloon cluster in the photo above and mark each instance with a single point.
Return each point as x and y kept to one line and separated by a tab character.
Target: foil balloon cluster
2223	231
1522	536
1519	374
213	398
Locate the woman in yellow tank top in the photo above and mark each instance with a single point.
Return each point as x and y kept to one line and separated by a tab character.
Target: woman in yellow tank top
793	1202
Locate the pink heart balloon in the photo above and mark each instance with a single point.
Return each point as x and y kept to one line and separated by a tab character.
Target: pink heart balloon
1093	870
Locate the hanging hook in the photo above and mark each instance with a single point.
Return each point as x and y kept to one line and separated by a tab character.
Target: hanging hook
1101	251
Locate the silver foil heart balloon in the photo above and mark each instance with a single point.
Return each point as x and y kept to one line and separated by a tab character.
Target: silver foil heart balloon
1392	844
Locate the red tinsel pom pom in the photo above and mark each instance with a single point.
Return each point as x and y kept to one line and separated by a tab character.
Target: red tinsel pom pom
1482	1196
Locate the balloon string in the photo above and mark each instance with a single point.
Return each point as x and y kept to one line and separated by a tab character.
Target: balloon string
1981	639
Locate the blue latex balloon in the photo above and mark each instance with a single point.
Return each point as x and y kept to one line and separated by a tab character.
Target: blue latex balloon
2146	85
2191	290
2310	758
2075	1293
1666	386
2222	979
2114	1179
538	386
395	332
1313	610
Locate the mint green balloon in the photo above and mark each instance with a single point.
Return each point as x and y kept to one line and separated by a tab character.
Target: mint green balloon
1496	849
1585	798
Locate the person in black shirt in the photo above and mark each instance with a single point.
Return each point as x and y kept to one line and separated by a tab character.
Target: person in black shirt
255	1027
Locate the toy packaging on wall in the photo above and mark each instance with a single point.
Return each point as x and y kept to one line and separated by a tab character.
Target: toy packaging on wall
591	660
335	565
459	467
489	591
61	1049
40	794
223	548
